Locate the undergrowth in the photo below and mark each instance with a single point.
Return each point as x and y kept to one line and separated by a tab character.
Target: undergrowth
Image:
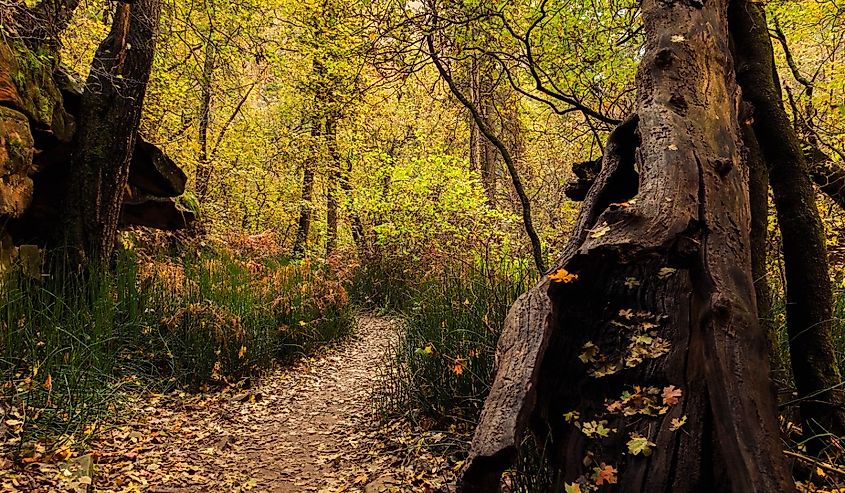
71	344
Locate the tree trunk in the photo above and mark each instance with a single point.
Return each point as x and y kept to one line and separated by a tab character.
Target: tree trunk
663	303
306	207
334	179
758	192
809	297
108	125
203	175
482	151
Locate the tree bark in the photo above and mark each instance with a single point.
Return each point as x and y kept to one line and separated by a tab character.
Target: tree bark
108	125
482	154
334	179
203	175
758	191
303	228
661	248
809	296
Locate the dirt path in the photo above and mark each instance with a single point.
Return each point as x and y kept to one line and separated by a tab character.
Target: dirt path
306	428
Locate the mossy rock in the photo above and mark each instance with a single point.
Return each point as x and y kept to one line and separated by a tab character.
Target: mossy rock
27	85
16	151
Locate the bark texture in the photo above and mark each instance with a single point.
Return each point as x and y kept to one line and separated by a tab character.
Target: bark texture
662	241
809	297
109	119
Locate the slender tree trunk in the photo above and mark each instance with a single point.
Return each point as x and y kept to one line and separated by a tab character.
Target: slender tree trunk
663	303
758	191
306	207
108	125
334	179
203	166
482	151
809	298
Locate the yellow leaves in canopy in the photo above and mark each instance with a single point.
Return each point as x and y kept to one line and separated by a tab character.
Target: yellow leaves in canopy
563	276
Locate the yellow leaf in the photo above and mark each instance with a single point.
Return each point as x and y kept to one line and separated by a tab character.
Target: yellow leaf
572	488
563	276
48	384
242	352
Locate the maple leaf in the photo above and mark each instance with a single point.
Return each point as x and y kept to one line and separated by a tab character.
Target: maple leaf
563	276
604	474
676	423
572	488
671	395
639	444
590	352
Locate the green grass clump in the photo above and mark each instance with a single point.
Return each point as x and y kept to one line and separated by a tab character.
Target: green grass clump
70	343
443	361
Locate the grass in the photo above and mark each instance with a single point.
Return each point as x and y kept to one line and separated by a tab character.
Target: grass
70	345
442	365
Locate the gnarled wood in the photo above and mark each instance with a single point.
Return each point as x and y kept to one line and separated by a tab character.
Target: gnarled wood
663	239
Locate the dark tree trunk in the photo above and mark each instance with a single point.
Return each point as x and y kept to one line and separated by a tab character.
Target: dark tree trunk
809	298
758	192
482	154
108	125
332	185
203	175
306	207
827	175
662	251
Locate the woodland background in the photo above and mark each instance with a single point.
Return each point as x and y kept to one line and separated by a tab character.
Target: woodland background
331	167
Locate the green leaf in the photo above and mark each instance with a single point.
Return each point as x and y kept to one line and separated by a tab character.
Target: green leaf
639	444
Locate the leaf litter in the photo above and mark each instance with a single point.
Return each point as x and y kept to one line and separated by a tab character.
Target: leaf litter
308	428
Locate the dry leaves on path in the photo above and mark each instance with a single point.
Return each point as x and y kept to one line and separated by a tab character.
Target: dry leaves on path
309	428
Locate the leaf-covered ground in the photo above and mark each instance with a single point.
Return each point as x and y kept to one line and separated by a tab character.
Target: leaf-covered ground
311	427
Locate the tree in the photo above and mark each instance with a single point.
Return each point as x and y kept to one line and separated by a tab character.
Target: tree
809	296
647	322
108	128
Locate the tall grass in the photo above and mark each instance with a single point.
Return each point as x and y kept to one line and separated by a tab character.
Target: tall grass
443	362
69	343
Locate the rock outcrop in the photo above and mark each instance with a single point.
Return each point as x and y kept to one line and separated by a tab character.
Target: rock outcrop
38	104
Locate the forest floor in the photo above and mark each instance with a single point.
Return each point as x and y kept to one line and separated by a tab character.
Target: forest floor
311	427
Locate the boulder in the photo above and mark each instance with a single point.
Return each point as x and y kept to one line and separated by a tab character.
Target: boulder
16	152
28	86
155	212
154	173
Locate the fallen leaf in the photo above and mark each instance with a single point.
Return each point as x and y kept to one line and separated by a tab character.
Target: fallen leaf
671	395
